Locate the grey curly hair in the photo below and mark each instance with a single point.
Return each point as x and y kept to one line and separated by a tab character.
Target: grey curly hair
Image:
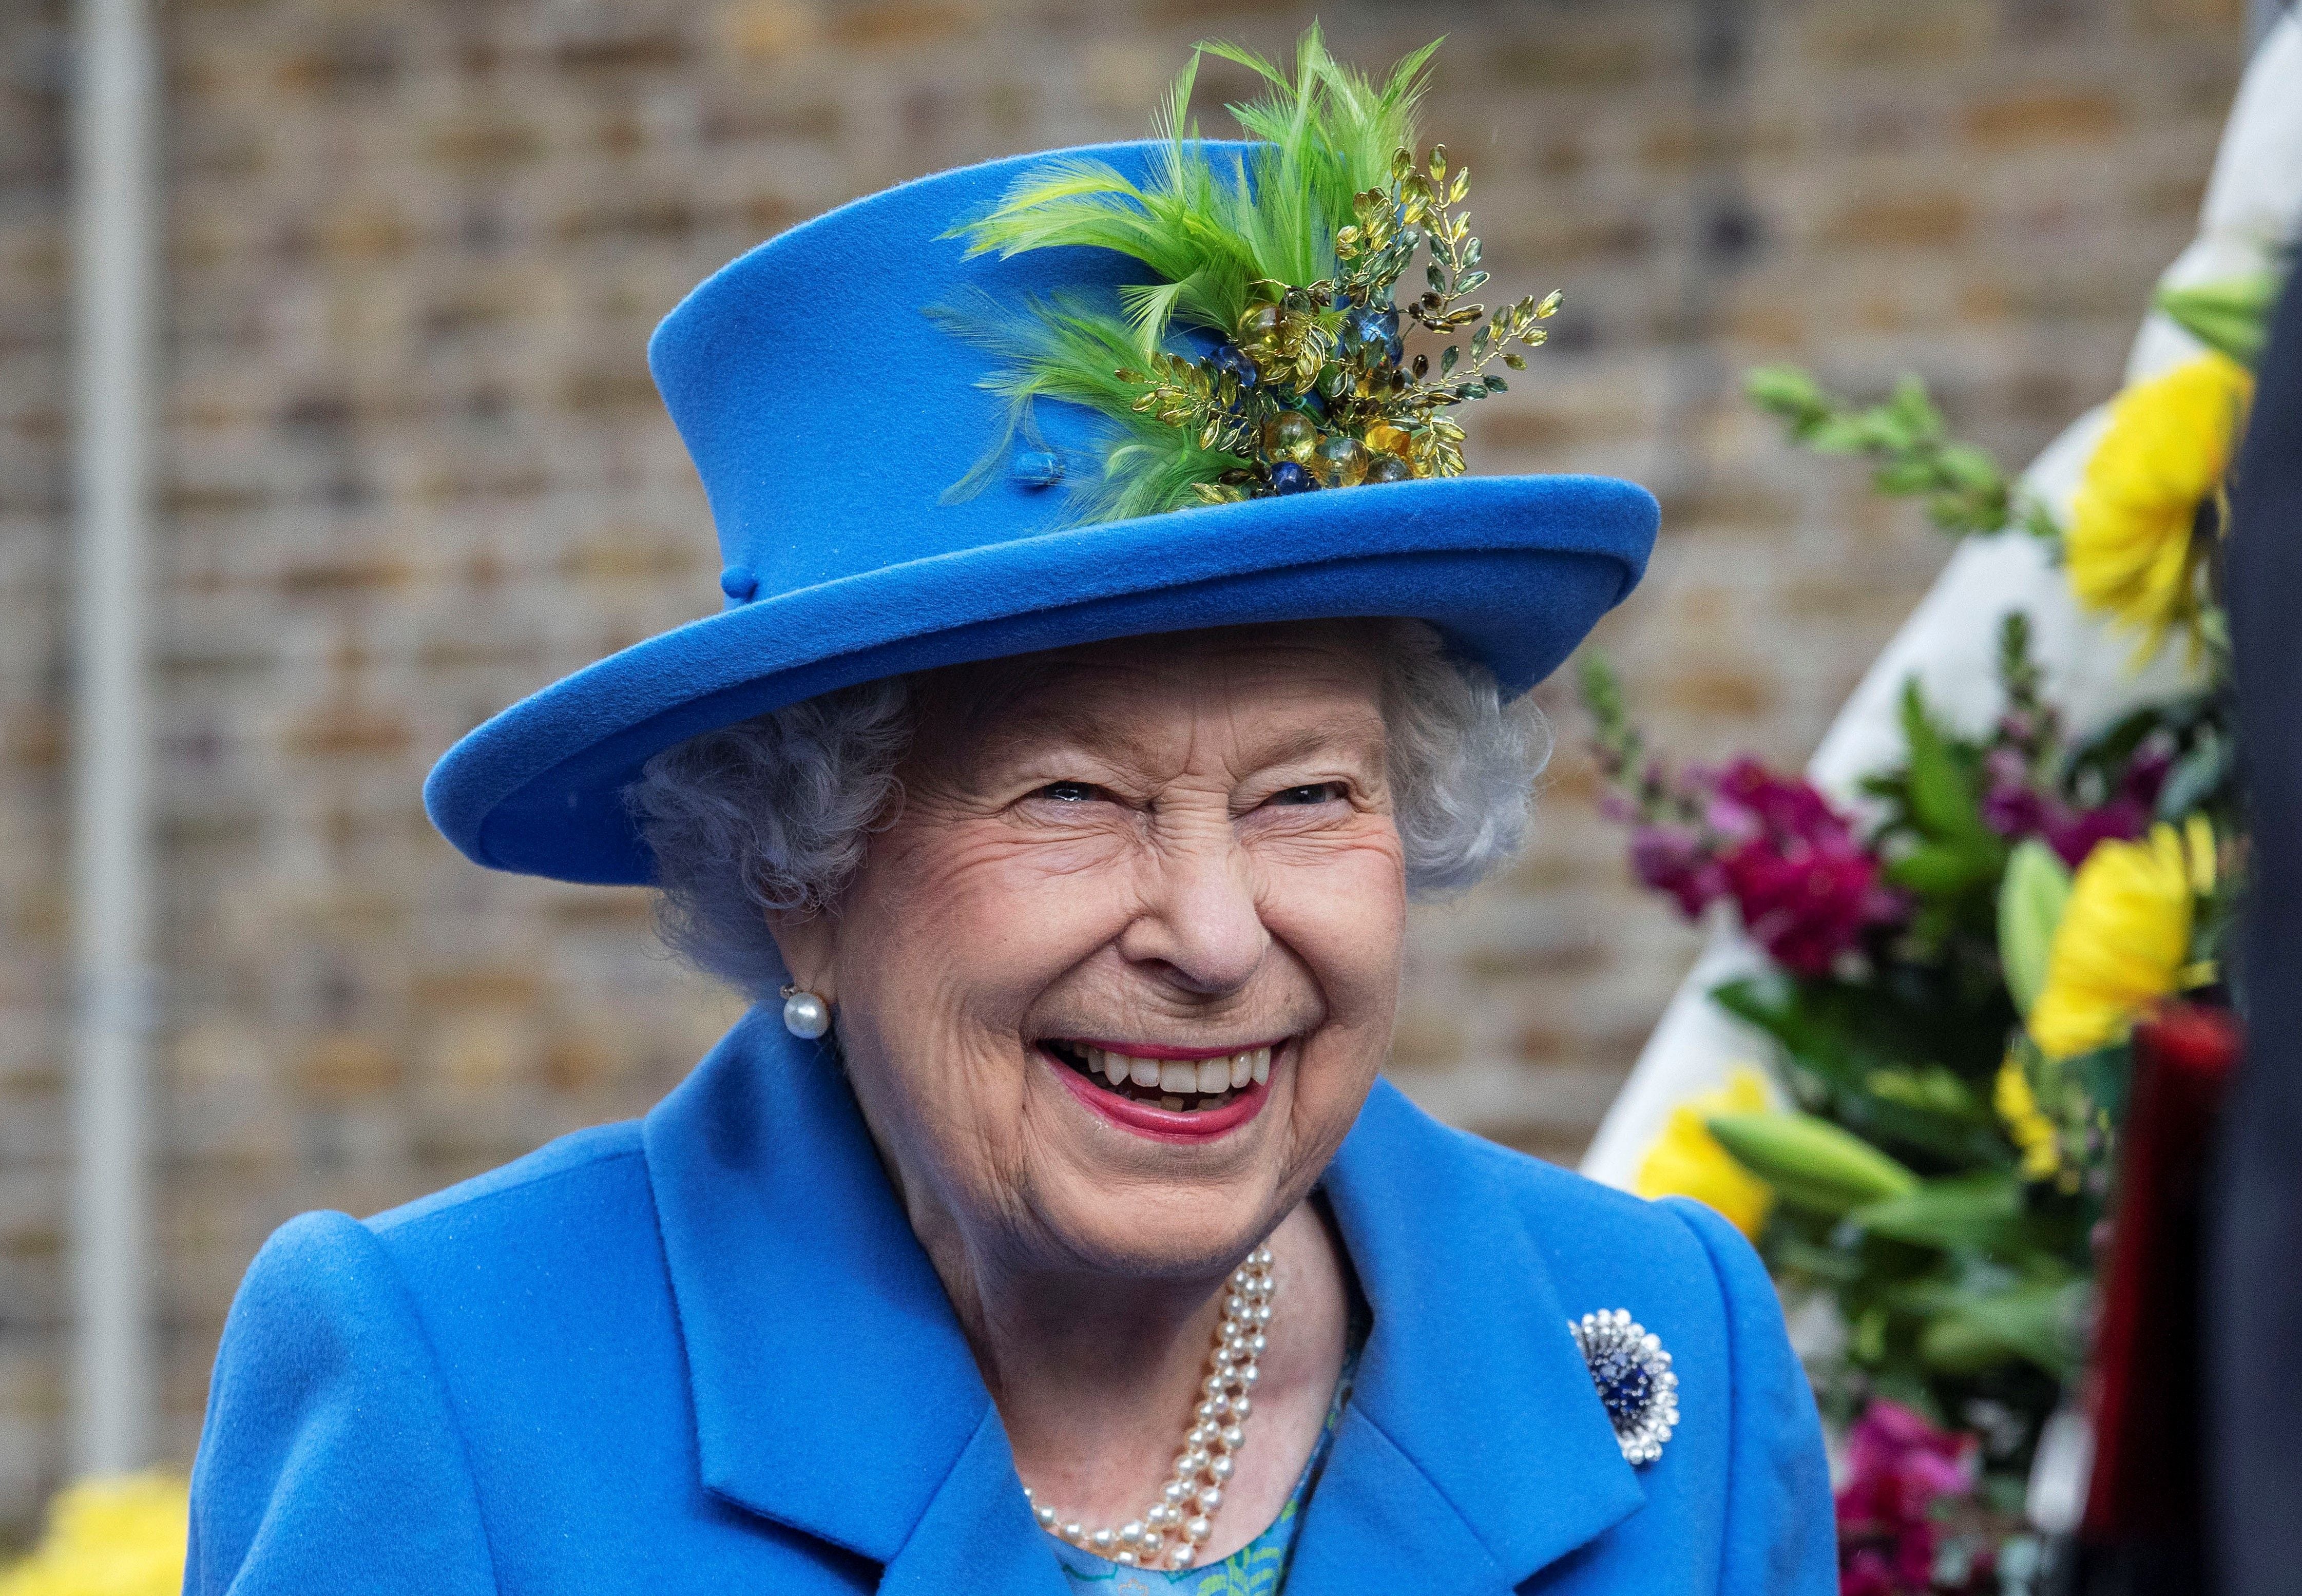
773	814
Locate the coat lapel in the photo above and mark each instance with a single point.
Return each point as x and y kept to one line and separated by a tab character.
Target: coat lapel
835	1393
1475	1450
833	1389
977	1533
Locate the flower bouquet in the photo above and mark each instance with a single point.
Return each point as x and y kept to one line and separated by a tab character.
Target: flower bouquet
1957	959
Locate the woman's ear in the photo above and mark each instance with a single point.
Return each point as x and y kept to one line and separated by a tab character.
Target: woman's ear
808	944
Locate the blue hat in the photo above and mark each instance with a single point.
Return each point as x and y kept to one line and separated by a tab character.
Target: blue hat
829	412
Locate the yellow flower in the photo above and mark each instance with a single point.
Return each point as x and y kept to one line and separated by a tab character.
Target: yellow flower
114	1537
1685	1160
2125	939
2032	1131
2130	543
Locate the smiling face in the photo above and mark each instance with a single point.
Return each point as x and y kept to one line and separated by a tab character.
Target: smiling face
1177	850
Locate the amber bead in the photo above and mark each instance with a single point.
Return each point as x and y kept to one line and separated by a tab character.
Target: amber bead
1343	461
1291	435
1385	439
1260	324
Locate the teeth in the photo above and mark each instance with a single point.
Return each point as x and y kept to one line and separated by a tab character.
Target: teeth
1209	1082
1171	1104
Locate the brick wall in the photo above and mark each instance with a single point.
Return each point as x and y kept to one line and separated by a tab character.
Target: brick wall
413	468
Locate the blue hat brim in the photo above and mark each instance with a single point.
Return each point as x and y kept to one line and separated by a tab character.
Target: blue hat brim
1514	570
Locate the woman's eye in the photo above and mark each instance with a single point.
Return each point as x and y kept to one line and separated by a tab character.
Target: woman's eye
1324	792
1069	792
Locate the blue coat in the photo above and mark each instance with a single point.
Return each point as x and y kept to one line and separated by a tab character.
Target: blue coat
704	1353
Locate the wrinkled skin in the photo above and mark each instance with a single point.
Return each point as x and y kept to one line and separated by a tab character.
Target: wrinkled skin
1183	840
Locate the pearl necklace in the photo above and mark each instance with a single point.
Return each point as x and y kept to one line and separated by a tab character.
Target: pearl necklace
1179	1522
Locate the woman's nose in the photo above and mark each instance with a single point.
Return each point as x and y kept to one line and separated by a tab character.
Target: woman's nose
1199	917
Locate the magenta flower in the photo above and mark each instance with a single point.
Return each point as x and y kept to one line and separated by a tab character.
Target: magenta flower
1897	1463
1807	903
1869	1572
2011	806
1899	1468
1806	890
2015	809
2074	837
1750	799
1674	860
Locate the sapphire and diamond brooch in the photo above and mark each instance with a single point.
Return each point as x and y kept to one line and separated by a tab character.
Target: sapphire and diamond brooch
1632	1374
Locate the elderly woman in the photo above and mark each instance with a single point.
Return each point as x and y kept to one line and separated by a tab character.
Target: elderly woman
1046	1226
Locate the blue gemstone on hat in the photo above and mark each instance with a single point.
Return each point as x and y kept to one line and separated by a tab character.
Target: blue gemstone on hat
1632	1376
1231	360
1289	477
1371	324
739	583
1037	468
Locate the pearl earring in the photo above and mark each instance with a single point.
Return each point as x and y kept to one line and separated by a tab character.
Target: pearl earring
805	1015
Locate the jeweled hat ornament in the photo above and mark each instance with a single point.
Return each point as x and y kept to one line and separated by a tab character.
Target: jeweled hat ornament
1307	383
1205	404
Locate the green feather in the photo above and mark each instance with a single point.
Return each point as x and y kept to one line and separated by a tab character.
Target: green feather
1207	225
1219	222
1068	350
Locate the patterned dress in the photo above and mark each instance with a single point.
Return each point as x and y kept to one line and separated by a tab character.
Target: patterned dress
1258	1568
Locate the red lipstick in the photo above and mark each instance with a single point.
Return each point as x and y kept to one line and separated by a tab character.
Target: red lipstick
1163	1124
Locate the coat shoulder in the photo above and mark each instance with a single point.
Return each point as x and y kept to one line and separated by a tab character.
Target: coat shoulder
583	1193
1589	1235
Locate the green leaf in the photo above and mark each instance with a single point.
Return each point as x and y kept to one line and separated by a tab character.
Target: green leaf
2195	779
1788	1251
1932	1089
2232	315
1964	465
1980	1213
1850	1041
1789	391
1942	869
2031	899
1810	1161
1905	476
1943	800
1910	415
1837	435
1912	452
2037	1321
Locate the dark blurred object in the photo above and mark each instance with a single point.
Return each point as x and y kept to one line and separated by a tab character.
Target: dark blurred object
2254	1318
2144	1529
